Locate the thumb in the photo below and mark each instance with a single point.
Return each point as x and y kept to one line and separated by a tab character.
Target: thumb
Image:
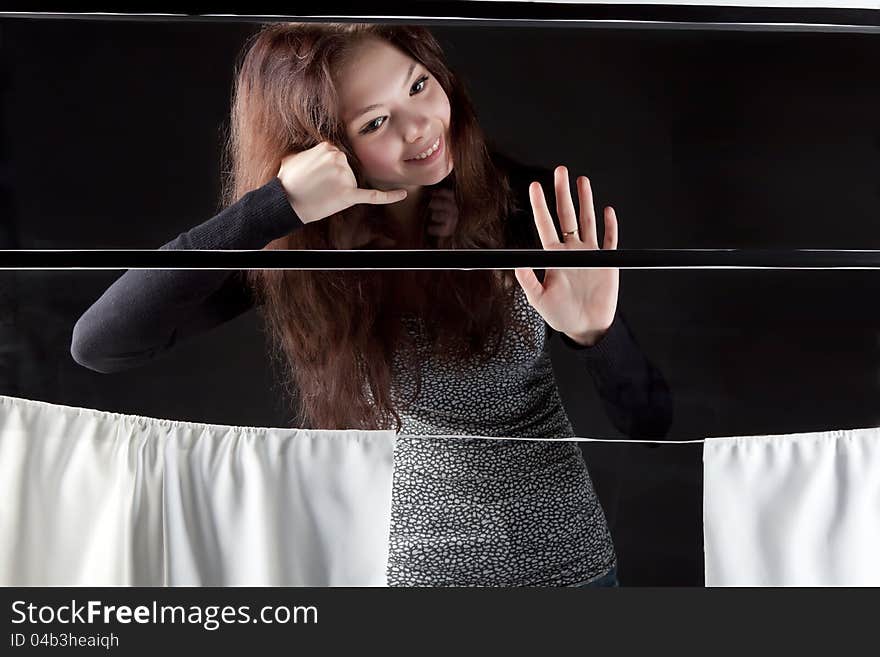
377	196
530	284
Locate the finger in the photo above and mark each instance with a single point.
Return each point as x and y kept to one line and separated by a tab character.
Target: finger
530	284
588	215
440	216
442	206
443	230
543	220
611	229
377	196
442	200
443	196
564	203
445	227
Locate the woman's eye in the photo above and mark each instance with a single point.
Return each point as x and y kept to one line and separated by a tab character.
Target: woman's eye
419	85
376	123
372	125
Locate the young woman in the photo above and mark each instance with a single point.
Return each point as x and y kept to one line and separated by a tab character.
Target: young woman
359	136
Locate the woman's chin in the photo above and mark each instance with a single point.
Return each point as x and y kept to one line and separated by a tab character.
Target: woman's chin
427	179
439	177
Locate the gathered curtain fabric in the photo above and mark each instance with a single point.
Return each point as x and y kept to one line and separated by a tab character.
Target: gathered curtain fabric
92	498
792	510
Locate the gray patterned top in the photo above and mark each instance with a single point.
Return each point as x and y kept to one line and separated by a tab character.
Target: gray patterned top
474	512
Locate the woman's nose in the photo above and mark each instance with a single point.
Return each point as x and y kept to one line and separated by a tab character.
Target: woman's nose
417	128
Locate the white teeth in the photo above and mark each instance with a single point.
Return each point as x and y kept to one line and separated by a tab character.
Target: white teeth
429	152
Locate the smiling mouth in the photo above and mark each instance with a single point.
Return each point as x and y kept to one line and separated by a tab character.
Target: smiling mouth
429	153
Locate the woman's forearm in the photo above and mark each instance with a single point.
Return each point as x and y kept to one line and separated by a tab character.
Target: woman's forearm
145	312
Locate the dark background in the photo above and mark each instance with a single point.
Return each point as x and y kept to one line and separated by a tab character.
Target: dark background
111	138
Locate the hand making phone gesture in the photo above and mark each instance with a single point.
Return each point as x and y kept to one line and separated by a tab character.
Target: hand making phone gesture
319	182
578	302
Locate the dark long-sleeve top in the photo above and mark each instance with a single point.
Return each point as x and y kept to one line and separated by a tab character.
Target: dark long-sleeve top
464	511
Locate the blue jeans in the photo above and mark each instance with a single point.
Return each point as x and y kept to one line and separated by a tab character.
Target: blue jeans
609	579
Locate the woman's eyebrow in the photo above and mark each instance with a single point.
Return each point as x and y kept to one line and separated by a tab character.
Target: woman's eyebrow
369	108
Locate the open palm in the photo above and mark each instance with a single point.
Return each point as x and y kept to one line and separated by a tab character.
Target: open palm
578	302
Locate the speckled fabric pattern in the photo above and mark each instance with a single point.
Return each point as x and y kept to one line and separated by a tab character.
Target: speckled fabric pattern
473	512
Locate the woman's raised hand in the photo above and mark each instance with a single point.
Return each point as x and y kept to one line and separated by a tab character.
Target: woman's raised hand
578	302
319	182
442	215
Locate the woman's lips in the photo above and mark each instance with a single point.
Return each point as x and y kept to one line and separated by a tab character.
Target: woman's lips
432	157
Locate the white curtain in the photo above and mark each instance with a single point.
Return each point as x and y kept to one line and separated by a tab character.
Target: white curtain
102	499
793	510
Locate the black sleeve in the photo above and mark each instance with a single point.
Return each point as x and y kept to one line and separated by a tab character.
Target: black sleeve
634	393
147	311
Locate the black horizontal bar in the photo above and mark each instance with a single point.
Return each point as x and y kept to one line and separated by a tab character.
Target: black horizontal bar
501	11
440	259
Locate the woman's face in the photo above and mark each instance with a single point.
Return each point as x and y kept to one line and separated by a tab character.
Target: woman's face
394	111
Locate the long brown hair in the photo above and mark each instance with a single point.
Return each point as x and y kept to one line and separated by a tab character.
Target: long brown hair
335	333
